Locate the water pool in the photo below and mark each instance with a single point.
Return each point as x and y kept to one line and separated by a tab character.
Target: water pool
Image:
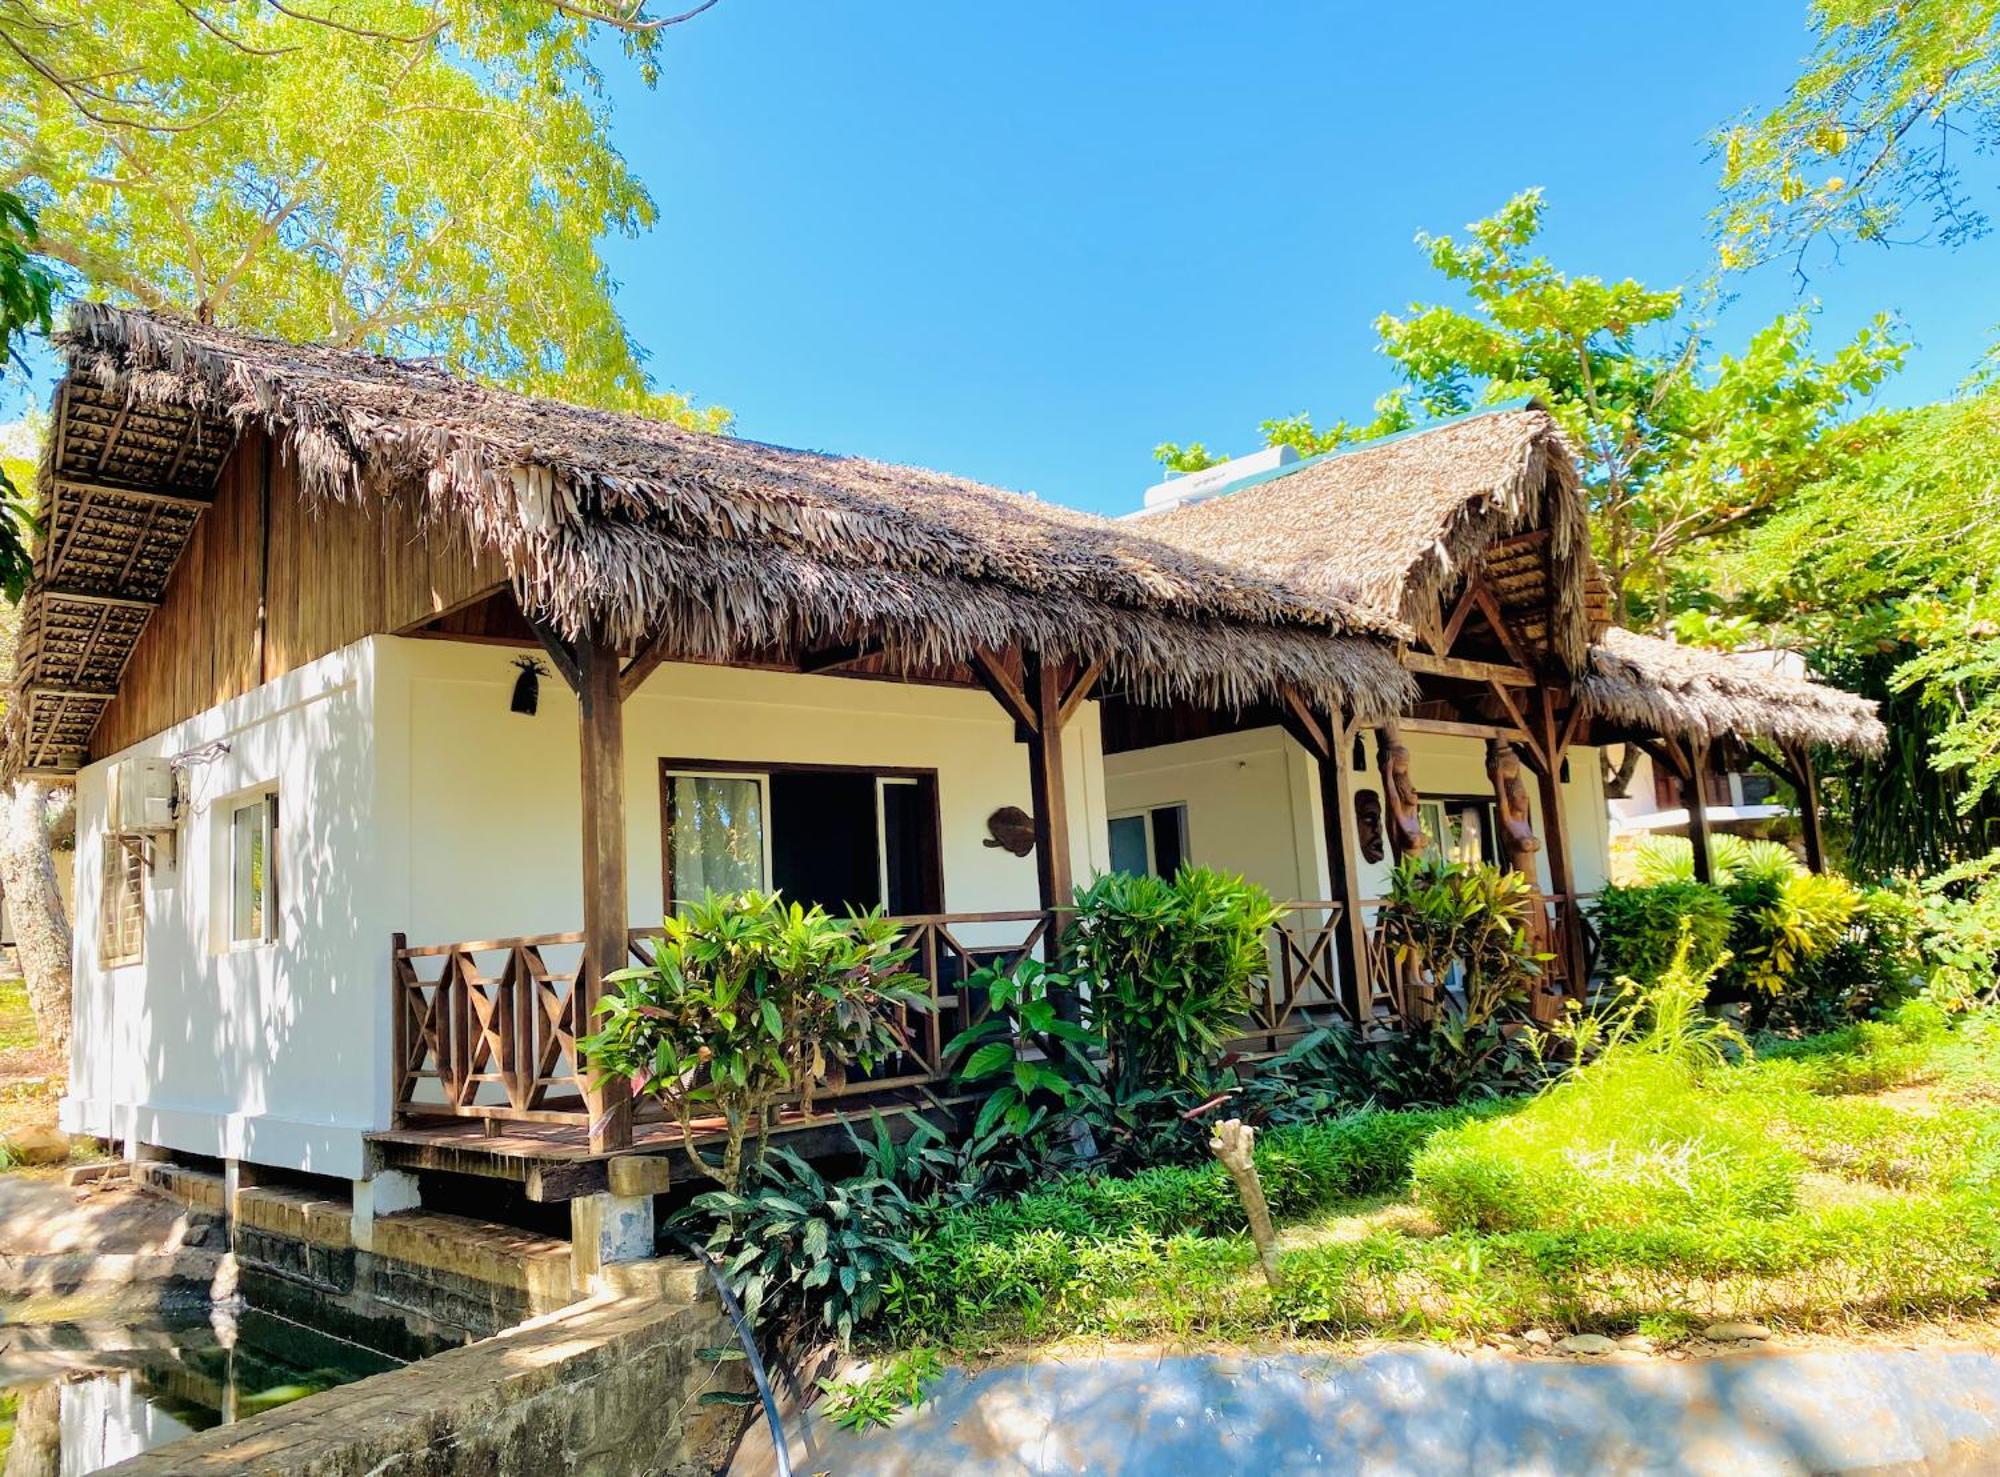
78	1397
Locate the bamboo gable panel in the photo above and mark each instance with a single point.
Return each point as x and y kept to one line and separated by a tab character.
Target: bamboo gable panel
325	576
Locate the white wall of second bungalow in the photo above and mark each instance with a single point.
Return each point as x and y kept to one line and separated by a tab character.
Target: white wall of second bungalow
1253	804
411	799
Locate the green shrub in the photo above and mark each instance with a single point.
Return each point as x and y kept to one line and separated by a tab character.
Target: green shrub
1639	927
749	1002
1785	923
1169	967
1657	859
799	1249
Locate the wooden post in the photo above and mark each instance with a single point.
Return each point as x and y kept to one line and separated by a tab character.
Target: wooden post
1343	863
601	719
1806	783
1695	797
1562	878
1044	688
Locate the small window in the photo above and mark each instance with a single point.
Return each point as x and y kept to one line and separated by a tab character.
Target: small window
1150	842
121	906
253	880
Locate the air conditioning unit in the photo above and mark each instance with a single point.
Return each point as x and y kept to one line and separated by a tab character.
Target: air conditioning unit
142	797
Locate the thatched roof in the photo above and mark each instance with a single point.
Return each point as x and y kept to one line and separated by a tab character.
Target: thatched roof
631	525
1685	691
1397	523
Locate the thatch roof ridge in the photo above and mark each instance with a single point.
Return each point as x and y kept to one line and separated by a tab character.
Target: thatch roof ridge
1691	692
1394	523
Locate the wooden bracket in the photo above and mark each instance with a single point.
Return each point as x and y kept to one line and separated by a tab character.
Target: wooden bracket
1502	627
1079	690
1303	724
635	672
1538	753
991	670
561	651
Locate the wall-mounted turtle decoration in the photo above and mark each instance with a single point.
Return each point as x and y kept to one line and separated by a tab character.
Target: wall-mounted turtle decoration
1011	829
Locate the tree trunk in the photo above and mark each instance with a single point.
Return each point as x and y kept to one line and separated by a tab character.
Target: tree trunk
41	925
36	1450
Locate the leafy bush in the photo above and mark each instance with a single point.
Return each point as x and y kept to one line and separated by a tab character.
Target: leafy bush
1962	933
1657	859
749	1002
1783	924
1466	920
1169	967
1639	927
1023	1055
799	1249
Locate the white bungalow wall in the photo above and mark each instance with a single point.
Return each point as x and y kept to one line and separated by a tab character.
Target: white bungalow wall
411	799
1254	808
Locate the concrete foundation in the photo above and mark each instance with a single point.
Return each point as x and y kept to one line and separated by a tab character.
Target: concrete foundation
607	1228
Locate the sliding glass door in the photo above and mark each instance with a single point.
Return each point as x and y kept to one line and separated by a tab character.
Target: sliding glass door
839	836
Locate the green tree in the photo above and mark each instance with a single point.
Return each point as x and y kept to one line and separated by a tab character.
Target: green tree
27	290
1884	573
1677	444
422	177
1875	130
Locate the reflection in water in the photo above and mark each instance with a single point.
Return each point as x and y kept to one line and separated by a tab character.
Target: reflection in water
79	1399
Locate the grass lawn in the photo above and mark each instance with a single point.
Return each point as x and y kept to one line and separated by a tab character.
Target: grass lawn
30	1082
1847	1181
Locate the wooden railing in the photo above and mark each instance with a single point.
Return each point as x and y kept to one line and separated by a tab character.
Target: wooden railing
487	1029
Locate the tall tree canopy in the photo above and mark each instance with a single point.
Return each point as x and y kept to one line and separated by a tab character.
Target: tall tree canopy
1885	573
1872	140
423	177
1678	444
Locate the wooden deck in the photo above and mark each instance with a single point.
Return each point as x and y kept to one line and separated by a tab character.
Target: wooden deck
553	1161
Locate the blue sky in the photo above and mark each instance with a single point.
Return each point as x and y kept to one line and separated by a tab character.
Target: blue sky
1027	242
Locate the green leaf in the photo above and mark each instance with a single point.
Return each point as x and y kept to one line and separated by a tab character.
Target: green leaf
991	1059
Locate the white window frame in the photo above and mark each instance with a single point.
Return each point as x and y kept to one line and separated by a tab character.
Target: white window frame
1144	815
762	779
125	853
265	799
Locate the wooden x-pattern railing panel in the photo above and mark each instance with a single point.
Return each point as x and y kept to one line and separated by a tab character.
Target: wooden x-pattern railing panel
498	1044
501	1043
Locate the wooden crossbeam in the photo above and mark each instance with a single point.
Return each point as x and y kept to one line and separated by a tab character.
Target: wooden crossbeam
195	501
1465	669
94	597
846	654
1457	729
37	689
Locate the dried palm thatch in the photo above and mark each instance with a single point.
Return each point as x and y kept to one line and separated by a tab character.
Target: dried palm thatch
1396	524
1684	691
626	526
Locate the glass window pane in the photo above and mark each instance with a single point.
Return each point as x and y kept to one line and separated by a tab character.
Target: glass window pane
718	834
1128	844
247	872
